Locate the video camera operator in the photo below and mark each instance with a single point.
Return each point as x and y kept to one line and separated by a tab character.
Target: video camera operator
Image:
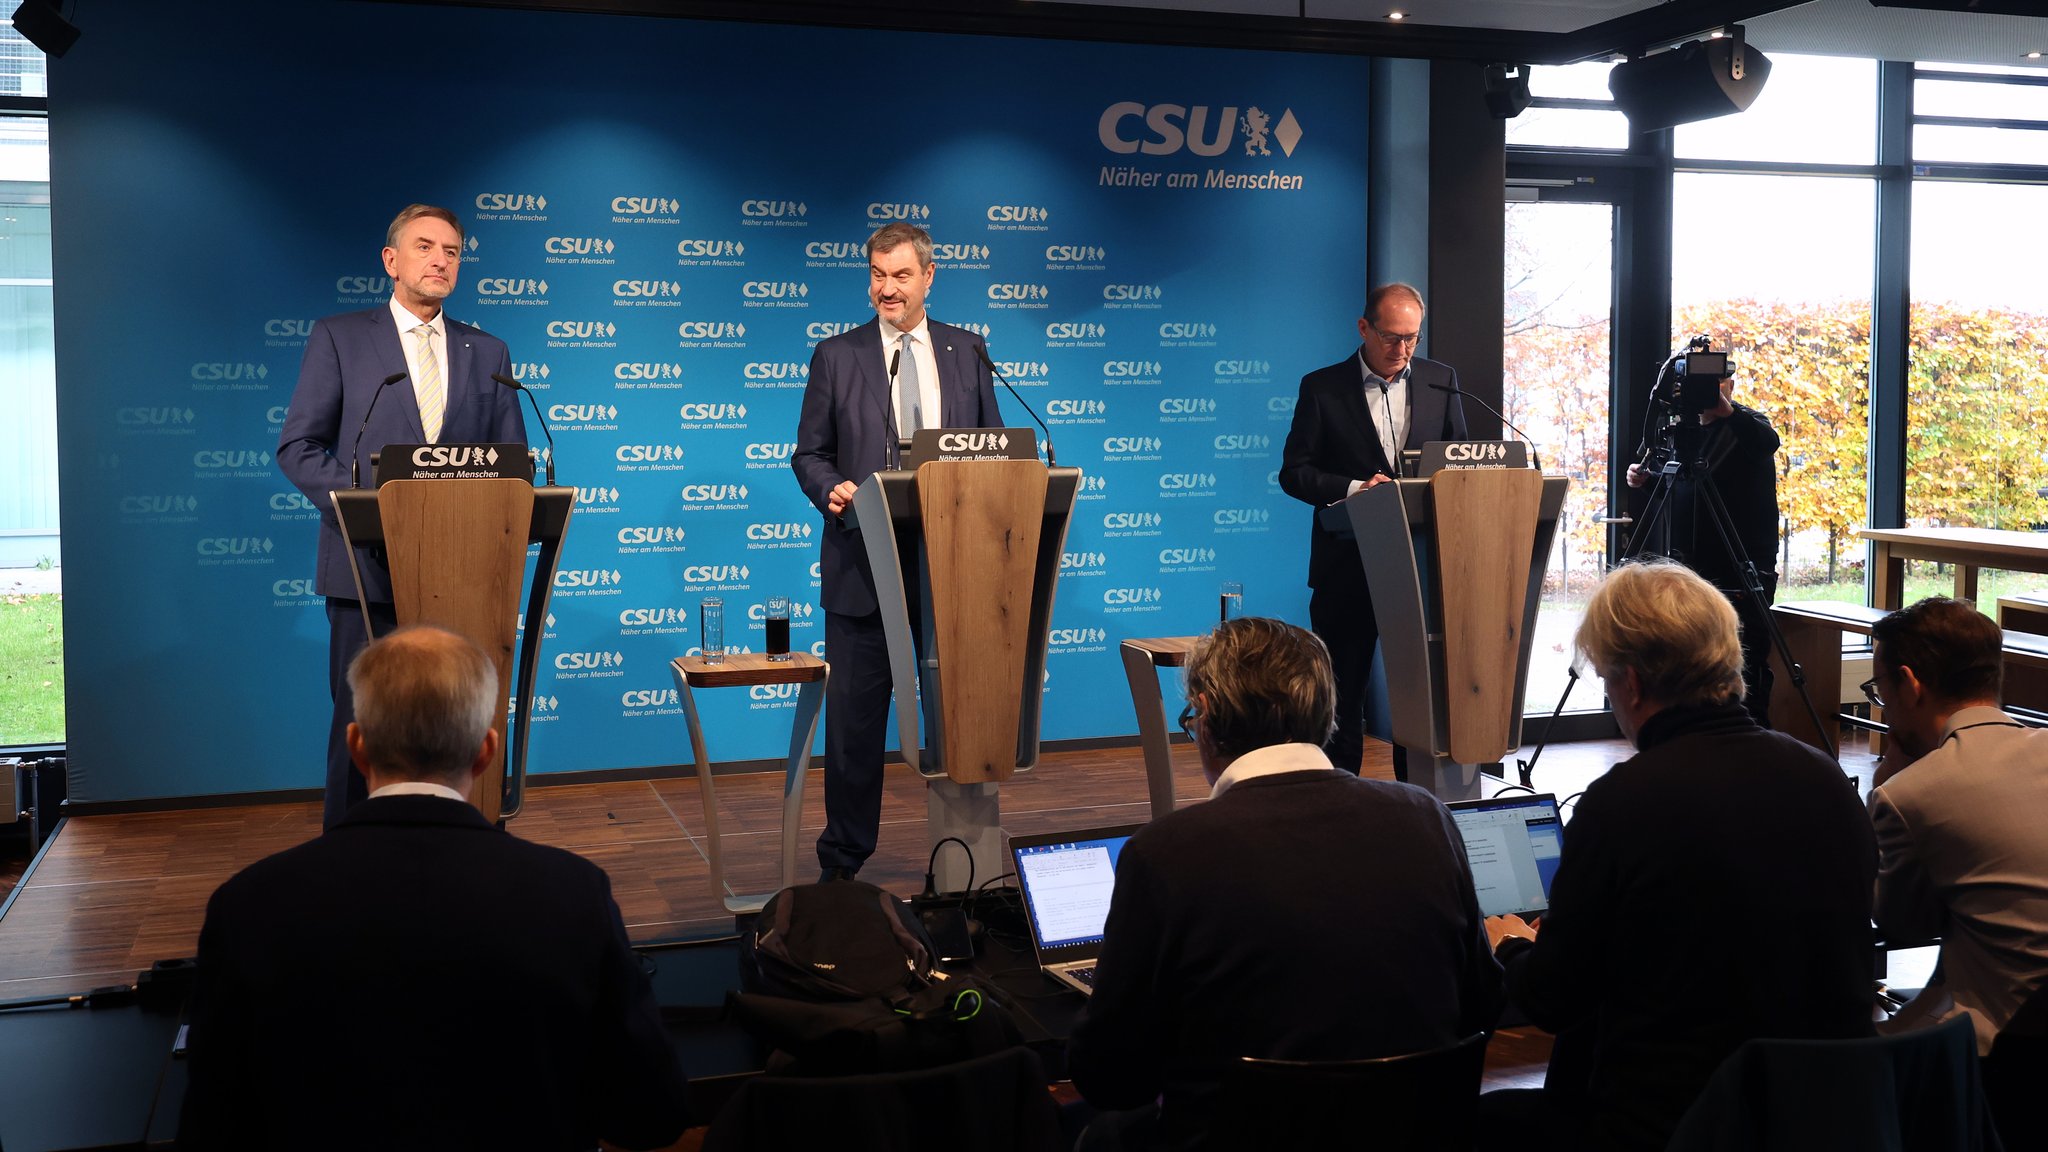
1735	444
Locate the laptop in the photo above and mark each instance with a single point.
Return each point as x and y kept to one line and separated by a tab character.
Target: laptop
1512	842
1067	878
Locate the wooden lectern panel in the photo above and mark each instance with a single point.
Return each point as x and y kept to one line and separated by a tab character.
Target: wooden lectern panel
1485	537
982	520
457	552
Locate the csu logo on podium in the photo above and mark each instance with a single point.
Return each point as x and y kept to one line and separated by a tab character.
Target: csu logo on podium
1164	129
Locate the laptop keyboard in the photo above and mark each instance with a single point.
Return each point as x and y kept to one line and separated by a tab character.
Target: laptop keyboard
1084	975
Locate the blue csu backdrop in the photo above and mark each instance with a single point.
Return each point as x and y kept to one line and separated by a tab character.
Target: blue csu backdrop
664	217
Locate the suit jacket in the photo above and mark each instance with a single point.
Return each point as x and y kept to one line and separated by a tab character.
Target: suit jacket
1334	441
347	357
1307	915
416	978
843	434
1962	855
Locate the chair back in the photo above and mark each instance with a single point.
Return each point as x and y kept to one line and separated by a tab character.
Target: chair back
1907	1092
2015	1072
993	1103
1425	1101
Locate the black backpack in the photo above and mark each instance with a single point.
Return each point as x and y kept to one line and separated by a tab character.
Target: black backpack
838	979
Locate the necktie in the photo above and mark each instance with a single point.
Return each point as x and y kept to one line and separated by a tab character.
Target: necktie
908	409
427	389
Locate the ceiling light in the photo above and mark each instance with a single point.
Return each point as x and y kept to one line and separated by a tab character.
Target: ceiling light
1397	15
2033	55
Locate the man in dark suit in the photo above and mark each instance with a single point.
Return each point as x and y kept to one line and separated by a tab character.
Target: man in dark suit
451	398
416	978
1350	425
887	378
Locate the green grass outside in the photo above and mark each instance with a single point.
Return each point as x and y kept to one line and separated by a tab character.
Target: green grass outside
31	669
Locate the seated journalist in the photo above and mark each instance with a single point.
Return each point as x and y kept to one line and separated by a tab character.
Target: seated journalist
1713	888
416	978
1301	912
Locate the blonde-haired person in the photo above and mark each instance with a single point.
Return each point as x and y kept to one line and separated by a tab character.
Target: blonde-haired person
1713	888
1203	955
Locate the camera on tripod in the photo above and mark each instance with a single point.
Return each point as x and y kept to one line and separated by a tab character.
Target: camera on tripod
1690	380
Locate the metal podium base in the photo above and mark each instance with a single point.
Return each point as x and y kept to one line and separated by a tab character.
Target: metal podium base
972	812
1445	777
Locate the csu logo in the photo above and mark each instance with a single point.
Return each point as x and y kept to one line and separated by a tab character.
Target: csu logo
1018	292
714	573
1024	370
765	451
169	417
1462	450
714	493
1187	406
837	249
1187	481
773	692
235	546
1074	253
299	328
647	697
217	370
798	610
1074	637
645	289
1239	517
974	441
1065	330
645	206
1094	484
774	290
576	246
587	578
885	212
759	209
1164	129
1243	367
651	534
646	453
453	456
1124	445
580	330
652	617
1242	442
1281	404
287	589
582	413
1115	596
510	202
1128	293
710	330
1076	407
362	285
1127	520
1171	556
530	371
799	530
710	249
1083	560
165	505
290	502
701	412
599	495
1018	214
959	253
1129	369
577	661
501	286
773	370
825	329
1174	330
214	458
642	371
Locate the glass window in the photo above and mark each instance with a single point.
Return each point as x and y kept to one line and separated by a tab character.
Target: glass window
1780	269
1813	109
1953	144
1568	128
1984	98
22	67
1586	81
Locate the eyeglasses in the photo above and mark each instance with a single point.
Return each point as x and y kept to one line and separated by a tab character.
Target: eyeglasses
1188	716
1395	339
1870	692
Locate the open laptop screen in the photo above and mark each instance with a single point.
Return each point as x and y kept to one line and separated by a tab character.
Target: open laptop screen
1512	843
1067	880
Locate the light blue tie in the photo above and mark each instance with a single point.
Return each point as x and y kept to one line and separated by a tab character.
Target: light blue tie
908	410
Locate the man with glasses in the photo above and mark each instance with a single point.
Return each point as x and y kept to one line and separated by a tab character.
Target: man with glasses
1350	425
1957	808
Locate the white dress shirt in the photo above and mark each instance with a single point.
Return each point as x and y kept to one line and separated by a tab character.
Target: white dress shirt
406	322
1271	760
927	368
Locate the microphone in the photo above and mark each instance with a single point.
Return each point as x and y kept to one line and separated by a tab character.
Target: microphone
1457	391
1051	459
355	460
516	386
895	437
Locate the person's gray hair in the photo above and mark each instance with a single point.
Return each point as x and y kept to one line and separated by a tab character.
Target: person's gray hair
1674	629
1262	682
890	237
1378	295
412	212
424	699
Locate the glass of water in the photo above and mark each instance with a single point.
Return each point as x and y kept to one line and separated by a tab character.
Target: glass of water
711	629
1230	604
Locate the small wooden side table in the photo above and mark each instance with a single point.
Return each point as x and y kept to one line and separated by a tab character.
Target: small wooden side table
744	670
1142	660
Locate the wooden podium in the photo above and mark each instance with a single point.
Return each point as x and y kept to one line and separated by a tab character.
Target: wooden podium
456	543
1455	564
971	546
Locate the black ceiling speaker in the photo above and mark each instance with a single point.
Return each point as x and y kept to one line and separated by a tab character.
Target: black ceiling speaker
1507	90
42	25
1697	80
1990	7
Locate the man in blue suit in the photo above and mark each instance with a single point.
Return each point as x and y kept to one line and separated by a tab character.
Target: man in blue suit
443	393
1350	425
893	375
